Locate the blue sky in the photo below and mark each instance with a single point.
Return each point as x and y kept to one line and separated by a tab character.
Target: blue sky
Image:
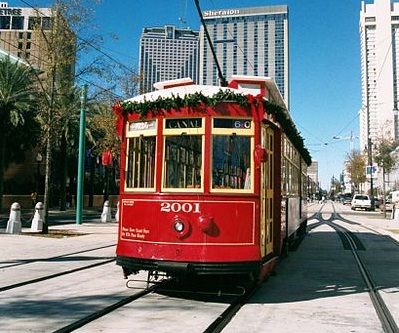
325	94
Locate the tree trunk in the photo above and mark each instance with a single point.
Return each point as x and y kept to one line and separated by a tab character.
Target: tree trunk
92	175
63	173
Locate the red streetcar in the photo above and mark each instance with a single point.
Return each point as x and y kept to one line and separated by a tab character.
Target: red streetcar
213	179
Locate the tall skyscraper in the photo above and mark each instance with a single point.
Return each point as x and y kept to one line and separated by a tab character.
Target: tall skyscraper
167	53
247	41
379	38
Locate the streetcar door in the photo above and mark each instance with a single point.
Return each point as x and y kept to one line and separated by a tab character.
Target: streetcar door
267	193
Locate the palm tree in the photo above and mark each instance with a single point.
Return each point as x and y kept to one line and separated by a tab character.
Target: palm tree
17	100
66	120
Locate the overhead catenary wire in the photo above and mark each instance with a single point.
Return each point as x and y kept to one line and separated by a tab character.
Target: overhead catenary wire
96	48
106	90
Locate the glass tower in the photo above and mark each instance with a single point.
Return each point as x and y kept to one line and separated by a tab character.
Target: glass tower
247	41
167	53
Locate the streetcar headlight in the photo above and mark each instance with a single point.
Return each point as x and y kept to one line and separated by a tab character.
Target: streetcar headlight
179	226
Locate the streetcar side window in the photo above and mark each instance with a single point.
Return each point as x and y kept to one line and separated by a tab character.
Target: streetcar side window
231	158
140	155
140	169
183	161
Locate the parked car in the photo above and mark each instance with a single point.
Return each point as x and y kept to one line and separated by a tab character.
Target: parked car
361	201
347	199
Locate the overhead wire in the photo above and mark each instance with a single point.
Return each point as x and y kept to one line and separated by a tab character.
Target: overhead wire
96	48
27	60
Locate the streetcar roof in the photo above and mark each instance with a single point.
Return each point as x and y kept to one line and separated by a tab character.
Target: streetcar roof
240	84
181	91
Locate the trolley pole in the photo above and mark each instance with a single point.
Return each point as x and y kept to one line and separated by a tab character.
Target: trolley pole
81	160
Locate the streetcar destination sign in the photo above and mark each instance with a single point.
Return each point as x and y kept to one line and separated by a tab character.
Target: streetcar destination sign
183	123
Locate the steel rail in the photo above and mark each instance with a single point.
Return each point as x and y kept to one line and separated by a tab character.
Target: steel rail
385	316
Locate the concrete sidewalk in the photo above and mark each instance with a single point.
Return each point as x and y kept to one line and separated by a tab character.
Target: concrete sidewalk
65	219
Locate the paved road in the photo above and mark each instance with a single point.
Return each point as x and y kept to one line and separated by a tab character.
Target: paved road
318	288
315	289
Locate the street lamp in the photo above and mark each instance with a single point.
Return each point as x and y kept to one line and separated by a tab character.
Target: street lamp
39	159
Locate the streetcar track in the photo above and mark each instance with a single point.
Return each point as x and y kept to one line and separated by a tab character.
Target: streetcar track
354	245
98	314
52	276
385	316
225	317
21	262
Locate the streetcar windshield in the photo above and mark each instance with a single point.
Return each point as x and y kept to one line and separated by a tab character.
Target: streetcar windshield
231	162
183	161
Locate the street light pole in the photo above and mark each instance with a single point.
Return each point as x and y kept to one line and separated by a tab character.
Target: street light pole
383	189
81	161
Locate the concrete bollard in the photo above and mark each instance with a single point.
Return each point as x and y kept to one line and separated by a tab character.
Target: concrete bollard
14	222
38	218
117	213
106	214
395	213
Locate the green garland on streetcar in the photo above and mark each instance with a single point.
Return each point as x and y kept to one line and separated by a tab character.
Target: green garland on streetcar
191	100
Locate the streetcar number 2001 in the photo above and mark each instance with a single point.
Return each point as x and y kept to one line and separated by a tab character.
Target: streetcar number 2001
177	207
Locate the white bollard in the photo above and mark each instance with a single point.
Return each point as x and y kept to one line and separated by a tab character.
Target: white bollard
38	218
106	214
117	213
395	213
14	222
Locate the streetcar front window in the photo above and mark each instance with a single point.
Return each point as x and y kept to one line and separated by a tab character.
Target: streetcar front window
231	160
140	162
183	161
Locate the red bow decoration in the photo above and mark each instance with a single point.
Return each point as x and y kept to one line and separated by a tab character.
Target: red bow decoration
257	109
119	112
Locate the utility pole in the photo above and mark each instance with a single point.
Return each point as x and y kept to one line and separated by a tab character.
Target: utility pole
351	138
370	157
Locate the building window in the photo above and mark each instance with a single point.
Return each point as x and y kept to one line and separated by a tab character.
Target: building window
17	22
33	23
47	23
5	22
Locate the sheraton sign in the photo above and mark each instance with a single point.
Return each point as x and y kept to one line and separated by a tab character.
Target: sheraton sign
224	12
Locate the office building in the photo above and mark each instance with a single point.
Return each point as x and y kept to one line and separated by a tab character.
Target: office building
379	38
18	35
167	53
313	171
247	41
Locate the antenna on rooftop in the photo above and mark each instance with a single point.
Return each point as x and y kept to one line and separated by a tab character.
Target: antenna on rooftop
222	79
183	11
